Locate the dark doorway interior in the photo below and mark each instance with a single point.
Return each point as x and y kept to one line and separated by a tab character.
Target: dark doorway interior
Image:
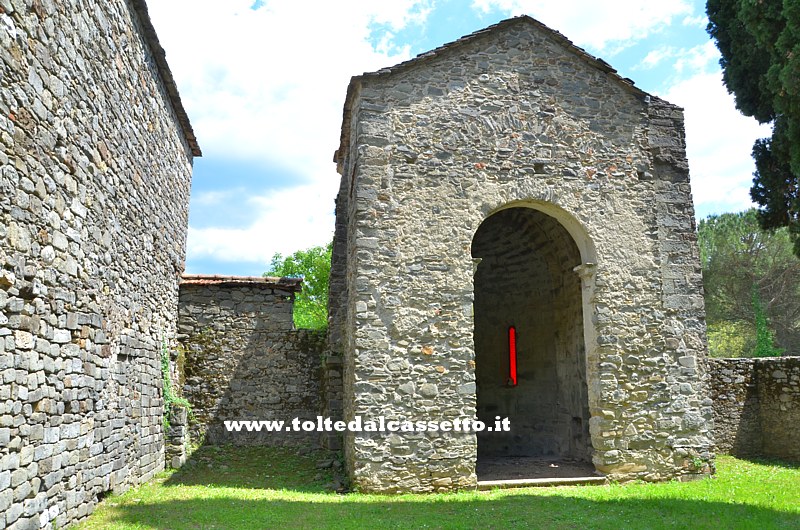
525	280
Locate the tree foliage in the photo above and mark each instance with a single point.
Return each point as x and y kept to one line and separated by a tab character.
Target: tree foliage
752	284
731	339
313	265
765	338
759	41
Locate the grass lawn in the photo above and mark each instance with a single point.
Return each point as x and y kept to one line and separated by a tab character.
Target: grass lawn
228	488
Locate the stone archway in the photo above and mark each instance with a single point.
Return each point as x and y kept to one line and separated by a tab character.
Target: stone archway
525	278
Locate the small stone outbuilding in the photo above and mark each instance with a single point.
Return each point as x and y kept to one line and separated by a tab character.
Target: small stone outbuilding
511	180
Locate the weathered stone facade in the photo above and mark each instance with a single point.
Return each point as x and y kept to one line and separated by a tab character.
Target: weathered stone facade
595	260
95	170
245	361
756	406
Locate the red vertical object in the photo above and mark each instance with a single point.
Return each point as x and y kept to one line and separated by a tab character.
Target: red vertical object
512	355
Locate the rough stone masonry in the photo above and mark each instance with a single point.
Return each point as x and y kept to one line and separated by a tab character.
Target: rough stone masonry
95	168
510	179
505	180
757	406
243	359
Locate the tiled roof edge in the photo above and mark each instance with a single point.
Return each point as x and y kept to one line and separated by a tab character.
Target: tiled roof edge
272	282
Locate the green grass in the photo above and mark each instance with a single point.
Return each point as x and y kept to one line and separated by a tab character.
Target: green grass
229	488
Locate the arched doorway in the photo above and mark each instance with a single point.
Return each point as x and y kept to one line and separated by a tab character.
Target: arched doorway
529	345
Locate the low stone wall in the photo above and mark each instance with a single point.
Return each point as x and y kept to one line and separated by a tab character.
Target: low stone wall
177	436
756	406
244	361
332	404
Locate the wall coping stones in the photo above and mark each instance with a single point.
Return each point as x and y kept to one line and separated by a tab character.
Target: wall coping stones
293	285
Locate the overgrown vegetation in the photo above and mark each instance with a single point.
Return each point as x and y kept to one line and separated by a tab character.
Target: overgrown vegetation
765	338
313	265
752	287
260	487
171	399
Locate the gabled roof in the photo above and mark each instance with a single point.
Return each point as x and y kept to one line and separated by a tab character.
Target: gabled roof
449	47
160	56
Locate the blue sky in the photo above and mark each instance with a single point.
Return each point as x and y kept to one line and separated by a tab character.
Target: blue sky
264	83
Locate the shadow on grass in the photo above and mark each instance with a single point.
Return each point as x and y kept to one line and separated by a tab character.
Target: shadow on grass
257	468
511	511
769	461
284	488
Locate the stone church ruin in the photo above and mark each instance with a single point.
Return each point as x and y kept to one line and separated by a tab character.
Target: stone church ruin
505	181
514	239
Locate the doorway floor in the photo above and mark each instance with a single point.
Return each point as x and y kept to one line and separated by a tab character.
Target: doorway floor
525	467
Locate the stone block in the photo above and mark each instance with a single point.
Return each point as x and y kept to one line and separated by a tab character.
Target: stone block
23	340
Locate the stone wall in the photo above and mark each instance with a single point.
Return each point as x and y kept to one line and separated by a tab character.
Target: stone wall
515	116
95	170
331	396
243	359
757	406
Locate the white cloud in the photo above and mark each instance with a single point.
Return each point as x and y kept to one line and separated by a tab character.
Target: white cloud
698	58
604	26
719	140
214	198
699	21
288	220
656	57
267	86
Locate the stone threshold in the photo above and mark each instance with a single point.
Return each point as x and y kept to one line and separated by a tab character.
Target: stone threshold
484	485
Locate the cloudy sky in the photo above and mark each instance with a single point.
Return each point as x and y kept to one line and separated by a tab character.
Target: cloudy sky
264	85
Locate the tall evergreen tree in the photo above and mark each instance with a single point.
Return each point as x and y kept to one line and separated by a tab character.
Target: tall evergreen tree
759	41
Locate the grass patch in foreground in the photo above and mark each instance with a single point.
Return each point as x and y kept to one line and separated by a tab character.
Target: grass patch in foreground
230	488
